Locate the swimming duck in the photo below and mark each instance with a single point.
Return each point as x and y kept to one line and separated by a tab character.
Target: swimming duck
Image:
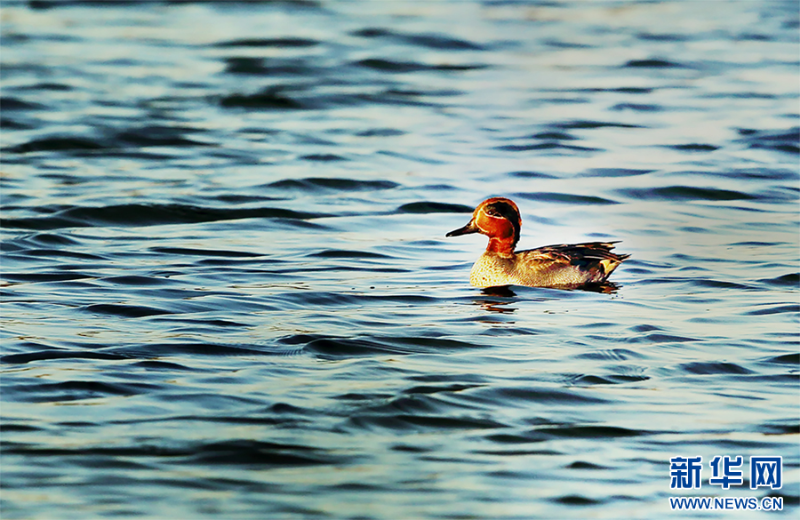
566	266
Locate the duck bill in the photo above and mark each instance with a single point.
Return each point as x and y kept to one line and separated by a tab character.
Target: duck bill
466	230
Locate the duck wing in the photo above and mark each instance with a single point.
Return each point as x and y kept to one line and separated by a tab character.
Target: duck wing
590	261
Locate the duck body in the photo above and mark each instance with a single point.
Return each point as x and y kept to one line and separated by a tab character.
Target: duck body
550	266
564	265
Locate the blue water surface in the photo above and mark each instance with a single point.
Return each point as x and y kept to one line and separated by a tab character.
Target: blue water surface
227	291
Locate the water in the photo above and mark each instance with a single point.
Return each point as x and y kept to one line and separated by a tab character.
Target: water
227	291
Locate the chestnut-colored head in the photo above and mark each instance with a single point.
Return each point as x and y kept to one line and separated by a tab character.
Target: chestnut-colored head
498	218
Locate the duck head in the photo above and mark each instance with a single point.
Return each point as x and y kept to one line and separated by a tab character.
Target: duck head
498	218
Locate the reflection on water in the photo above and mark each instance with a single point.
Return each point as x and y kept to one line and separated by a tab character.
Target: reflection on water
226	291
501	291
501	301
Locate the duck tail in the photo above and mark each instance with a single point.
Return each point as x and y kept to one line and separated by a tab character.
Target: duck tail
611	262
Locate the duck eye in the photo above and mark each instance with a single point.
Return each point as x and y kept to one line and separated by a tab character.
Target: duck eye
492	211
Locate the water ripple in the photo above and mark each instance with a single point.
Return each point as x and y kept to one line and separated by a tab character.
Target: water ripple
149	215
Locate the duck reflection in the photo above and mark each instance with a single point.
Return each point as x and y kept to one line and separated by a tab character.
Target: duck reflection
498	299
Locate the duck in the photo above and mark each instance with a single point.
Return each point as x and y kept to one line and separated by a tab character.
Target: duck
555	266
